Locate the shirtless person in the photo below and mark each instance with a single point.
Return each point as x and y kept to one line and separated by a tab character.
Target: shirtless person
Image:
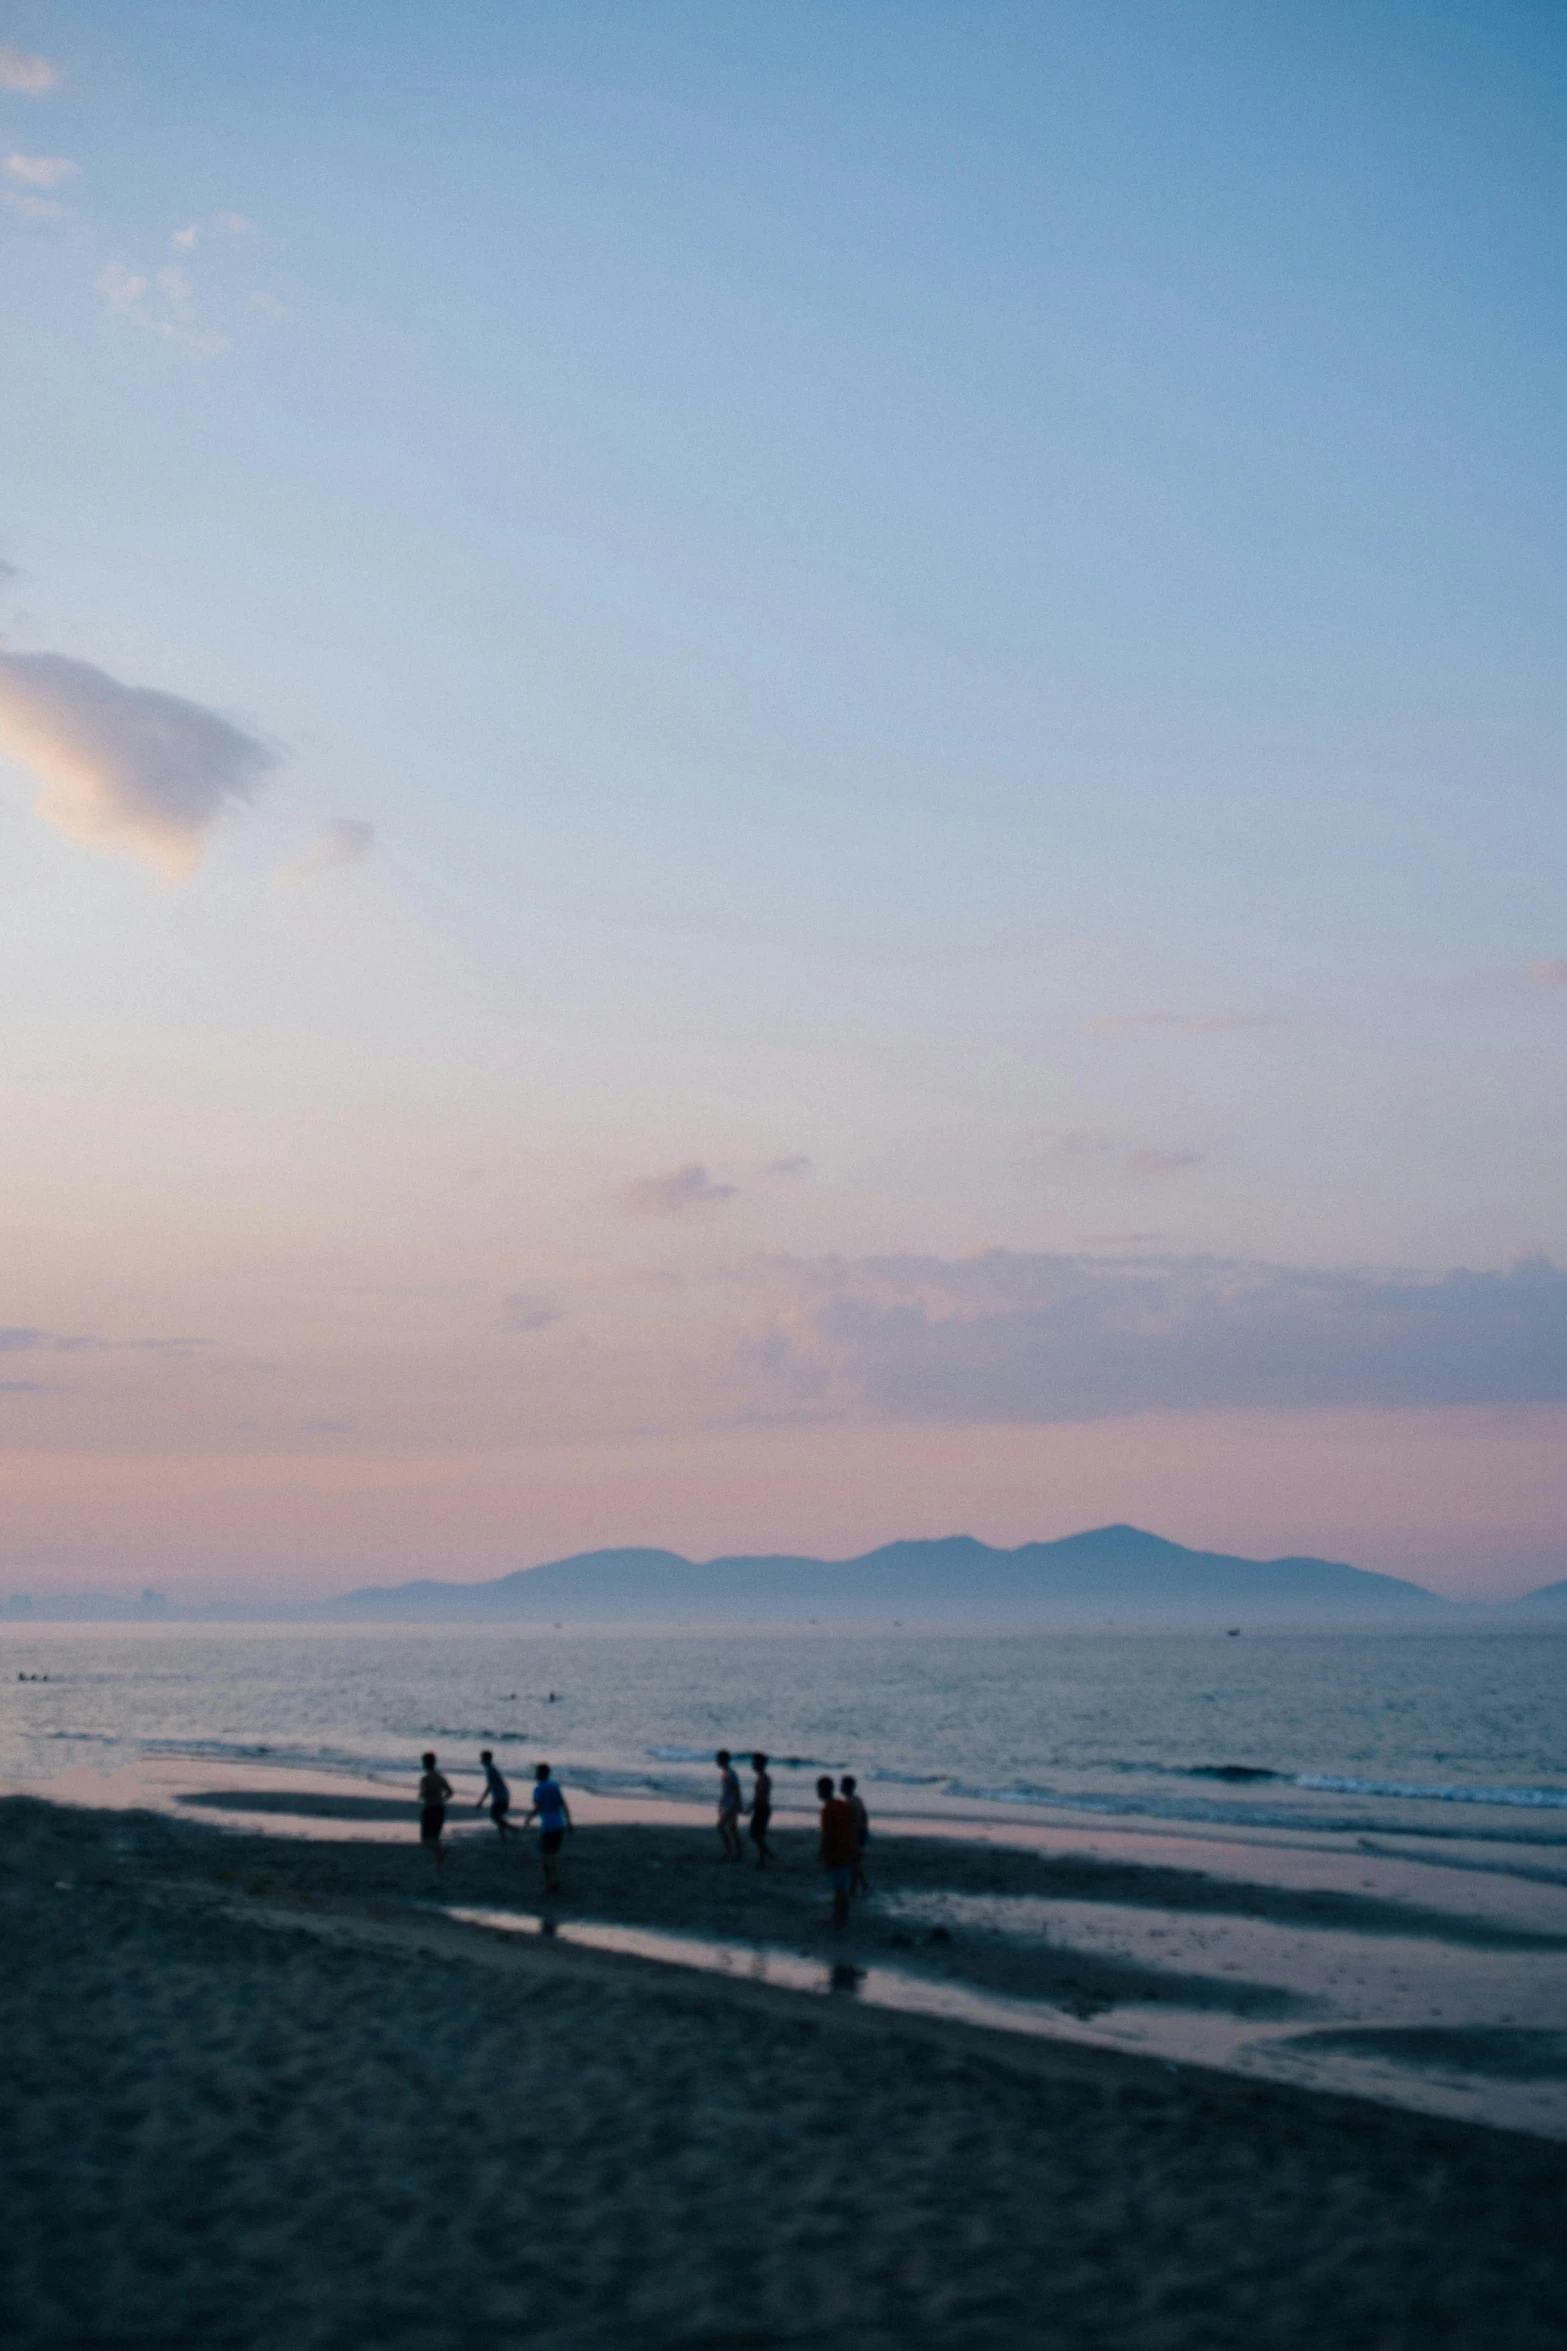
435	1793
840	1848
761	1810
729	1807
496	1795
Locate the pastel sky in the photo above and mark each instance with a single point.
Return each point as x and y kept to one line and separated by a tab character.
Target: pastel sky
771	777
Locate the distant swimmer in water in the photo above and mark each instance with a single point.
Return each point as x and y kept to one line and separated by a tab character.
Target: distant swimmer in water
549	1808
848	1788
496	1795
761	1810
435	1793
729	1807
839	1849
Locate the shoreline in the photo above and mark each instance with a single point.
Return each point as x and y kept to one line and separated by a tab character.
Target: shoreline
262	2099
1432	1983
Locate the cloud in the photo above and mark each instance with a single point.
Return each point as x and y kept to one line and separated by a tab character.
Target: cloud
22	1339
1548	972
41	171
342	842
1013	1337
25	76
33	207
124	767
1161	1163
793	1163
1186	1024
26	1339
1141	1160
671	1195
526	1310
221	224
163	304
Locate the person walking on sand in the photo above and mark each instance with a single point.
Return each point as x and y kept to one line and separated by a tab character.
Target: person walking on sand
761	1810
848	1789
435	1793
496	1795
840	1849
549	1805
729	1807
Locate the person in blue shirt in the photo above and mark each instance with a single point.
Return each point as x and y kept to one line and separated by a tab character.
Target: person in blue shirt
549	1807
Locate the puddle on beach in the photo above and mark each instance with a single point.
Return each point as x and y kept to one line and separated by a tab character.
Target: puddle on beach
1512	2075
1402	2016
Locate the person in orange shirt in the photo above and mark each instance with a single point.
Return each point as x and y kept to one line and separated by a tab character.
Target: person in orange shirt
840	1848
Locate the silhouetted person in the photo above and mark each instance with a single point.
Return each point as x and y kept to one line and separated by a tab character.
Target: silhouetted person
840	1849
761	1810
554	1821
435	1793
728	1807
848	1788
496	1795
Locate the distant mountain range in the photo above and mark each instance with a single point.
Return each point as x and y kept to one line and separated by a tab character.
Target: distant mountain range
1549	1600
1117	1573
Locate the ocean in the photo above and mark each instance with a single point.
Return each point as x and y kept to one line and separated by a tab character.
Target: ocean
1425	1735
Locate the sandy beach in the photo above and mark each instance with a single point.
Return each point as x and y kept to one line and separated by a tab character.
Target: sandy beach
260	2094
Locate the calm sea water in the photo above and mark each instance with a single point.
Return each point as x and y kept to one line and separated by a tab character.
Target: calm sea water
1456	1735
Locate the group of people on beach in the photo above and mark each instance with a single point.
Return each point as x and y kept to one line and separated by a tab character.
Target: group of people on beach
549	1808
844	1826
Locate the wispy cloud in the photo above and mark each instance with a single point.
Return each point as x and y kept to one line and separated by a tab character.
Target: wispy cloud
683	1188
217	224
23	1339
124	767
793	1163
41	171
1141	1160
1186	1024
528	1310
1013	1337
27	76
26	1339
163	303
1548	972
1146	1162
345	841
30	207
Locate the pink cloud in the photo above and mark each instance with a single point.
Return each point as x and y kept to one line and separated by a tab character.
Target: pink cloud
683	1188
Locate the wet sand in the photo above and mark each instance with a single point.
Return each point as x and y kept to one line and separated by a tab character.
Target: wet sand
256	2097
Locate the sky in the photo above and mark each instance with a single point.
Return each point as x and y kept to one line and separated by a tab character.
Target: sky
773	778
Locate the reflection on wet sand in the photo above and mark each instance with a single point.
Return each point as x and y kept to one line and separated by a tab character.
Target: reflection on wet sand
1327	1966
